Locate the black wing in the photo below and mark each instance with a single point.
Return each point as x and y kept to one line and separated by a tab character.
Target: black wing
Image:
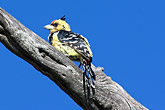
75	41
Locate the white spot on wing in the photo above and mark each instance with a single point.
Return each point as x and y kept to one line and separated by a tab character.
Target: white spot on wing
73	42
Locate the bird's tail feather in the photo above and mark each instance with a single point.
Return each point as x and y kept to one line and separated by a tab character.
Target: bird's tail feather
88	72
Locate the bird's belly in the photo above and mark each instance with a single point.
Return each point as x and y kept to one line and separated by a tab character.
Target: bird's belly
71	53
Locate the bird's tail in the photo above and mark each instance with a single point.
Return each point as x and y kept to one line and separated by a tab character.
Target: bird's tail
89	75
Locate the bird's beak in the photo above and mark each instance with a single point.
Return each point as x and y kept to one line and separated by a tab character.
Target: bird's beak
49	27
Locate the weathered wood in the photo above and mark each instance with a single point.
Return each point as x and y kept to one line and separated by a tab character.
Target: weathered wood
52	63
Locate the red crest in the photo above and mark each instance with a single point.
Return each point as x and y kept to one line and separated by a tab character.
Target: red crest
52	22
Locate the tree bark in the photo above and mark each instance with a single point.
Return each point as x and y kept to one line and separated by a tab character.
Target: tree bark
60	69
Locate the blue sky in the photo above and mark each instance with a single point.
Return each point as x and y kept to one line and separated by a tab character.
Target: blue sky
127	39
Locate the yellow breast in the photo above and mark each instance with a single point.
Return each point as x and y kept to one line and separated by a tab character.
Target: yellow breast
71	53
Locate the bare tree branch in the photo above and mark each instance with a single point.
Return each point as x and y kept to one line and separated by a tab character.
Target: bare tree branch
52	63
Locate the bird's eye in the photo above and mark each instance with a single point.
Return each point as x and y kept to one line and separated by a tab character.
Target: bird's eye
55	24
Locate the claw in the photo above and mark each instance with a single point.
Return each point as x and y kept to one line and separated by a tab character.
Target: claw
66	55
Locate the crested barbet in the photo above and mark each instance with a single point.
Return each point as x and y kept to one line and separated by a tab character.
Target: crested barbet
73	45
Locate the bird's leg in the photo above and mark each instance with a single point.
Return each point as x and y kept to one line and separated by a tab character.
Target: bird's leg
79	65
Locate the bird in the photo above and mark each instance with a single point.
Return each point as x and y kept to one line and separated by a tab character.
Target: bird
74	46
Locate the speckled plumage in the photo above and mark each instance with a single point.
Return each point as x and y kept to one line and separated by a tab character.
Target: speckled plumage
73	45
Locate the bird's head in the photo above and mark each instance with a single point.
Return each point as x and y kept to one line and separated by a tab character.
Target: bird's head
58	25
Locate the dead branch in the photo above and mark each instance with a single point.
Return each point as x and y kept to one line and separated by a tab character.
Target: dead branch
52	63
